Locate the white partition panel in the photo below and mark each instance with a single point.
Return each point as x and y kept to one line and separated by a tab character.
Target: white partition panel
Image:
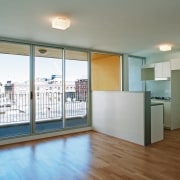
120	114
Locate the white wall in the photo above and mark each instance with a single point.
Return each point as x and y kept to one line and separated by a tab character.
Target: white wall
120	114
162	56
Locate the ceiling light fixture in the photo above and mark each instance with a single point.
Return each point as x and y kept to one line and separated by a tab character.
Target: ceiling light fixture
42	51
61	23
165	47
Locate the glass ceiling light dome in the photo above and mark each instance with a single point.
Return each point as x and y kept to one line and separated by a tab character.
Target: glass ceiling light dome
61	23
165	47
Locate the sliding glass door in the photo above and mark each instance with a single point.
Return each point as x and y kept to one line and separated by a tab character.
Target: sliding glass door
76	88
61	89
42	89
48	89
14	90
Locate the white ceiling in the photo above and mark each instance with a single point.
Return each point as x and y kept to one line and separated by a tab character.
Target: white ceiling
136	27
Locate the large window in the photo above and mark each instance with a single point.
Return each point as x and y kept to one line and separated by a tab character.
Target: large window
48	89
14	90
42	89
76	88
135	64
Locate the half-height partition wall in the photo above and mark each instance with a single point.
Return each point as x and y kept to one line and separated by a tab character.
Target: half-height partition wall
125	115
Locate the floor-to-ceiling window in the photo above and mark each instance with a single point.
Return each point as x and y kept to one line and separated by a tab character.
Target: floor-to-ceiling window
14	89
76	88
42	89
48	89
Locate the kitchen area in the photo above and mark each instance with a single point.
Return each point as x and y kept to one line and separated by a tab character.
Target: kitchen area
162	80
160	75
147	104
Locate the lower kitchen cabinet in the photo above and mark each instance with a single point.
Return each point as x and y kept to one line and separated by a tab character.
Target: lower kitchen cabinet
157	129
167	115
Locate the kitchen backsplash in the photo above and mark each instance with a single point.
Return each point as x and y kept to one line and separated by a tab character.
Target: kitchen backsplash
159	88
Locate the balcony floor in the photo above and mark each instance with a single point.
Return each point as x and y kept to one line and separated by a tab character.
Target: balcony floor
44	126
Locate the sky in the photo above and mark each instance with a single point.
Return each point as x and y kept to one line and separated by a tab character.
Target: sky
16	68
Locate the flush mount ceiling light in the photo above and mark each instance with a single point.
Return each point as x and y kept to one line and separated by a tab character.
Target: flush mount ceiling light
61	23
165	47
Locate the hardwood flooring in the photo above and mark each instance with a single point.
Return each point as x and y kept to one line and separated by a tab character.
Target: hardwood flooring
91	156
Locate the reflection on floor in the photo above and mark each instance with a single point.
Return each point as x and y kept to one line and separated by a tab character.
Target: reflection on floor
91	156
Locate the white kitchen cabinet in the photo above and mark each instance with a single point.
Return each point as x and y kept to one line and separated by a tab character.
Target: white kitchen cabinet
166	69
167	112
157	129
167	115
175	64
157	71
162	71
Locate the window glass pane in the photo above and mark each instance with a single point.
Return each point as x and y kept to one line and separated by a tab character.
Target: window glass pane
135	83
14	90
48	89
76	88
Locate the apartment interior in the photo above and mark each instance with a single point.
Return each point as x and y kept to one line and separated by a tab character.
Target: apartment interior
74	103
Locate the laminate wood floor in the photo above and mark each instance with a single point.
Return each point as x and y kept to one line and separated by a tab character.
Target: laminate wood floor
91	156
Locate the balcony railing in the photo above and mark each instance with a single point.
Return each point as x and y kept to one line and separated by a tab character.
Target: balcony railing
15	108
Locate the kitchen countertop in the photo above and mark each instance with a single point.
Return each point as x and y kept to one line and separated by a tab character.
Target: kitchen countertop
156	103
161	100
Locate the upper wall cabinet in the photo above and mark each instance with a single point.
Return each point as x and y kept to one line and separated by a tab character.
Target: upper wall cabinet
175	64
147	72
157	71
162	71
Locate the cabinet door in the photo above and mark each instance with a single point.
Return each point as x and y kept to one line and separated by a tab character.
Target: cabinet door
157	132
167	115
162	70
166	69
158	70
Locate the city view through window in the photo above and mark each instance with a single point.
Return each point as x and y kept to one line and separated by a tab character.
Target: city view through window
55	94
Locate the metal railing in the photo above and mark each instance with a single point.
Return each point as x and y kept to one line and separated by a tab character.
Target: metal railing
15	108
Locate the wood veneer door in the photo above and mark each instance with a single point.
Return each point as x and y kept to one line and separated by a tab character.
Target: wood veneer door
105	72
